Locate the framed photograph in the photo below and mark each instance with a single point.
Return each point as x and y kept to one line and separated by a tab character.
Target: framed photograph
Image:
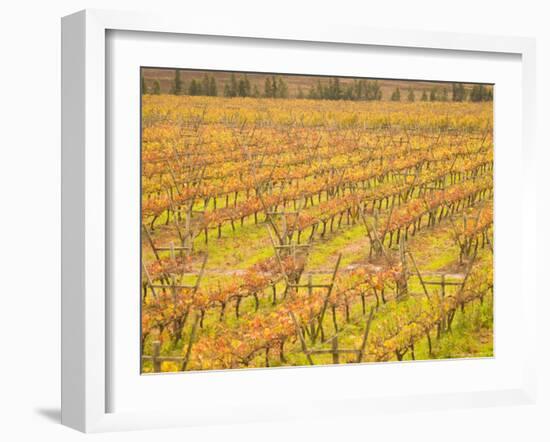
280	223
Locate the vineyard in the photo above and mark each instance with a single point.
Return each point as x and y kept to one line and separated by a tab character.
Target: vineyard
288	232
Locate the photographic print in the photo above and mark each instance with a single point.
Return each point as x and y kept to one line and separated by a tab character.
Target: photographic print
294	220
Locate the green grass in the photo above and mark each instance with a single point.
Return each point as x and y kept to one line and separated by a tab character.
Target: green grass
325	251
471	335
239	249
434	250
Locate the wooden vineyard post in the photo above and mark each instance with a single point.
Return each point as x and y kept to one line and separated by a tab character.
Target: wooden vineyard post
327	297
287	249
335	356
149	280
376	243
190	345
419	275
443	318
156	355
402	280
310	294
361	351
302	339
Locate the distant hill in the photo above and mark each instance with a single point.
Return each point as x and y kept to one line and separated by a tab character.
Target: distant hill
165	77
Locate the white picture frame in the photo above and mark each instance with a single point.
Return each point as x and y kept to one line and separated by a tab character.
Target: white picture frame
85	307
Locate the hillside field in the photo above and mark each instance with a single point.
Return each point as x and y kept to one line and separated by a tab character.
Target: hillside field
291	232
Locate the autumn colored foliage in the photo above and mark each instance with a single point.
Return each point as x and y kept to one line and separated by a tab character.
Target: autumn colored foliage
303	232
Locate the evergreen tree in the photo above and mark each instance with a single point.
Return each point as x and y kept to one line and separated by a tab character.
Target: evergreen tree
348	93
368	90
475	94
312	94
484	93
433	94
268	88
445	95
274	87
213	87
227	90
193	88
370	93
378	91
242	88
358	89
233	86
300	95
373	90
424	96
335	89
320	90
410	96
481	93
396	95
282	88
143	85
247	87
156	87
178	84
327	91
459	92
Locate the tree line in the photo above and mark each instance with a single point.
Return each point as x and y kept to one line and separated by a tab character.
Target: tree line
274	87
458	93
333	89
